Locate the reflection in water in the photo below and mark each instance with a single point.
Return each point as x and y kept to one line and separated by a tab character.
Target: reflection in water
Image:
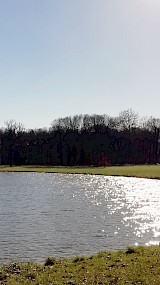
66	215
136	201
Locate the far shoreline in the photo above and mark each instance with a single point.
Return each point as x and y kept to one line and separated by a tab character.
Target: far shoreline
138	171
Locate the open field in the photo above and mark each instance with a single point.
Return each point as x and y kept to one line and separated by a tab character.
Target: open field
146	171
133	266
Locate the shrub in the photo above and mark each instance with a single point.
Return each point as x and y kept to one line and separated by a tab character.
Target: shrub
50	261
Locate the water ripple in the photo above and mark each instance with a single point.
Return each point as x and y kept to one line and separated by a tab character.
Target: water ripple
65	215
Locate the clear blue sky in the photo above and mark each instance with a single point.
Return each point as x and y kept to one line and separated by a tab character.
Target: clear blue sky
66	57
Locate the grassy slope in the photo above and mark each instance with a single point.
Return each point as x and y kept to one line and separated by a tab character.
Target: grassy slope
146	171
106	268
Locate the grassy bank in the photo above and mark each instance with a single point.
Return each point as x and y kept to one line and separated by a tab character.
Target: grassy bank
134	266
146	171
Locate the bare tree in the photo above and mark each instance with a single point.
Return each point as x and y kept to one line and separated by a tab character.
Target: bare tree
13	130
76	122
112	122
150	123
14	127
87	122
127	119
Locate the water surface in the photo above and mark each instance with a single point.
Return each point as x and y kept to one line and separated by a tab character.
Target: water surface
66	215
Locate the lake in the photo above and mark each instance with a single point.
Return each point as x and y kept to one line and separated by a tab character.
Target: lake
65	215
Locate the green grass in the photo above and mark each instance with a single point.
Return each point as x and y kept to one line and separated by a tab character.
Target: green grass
134	266
146	171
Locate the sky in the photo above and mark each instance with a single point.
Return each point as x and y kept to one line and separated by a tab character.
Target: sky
65	57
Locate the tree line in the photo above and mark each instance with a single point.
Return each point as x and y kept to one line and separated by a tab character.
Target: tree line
97	140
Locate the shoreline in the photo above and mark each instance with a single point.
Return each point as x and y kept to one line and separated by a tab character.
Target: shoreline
134	265
138	171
